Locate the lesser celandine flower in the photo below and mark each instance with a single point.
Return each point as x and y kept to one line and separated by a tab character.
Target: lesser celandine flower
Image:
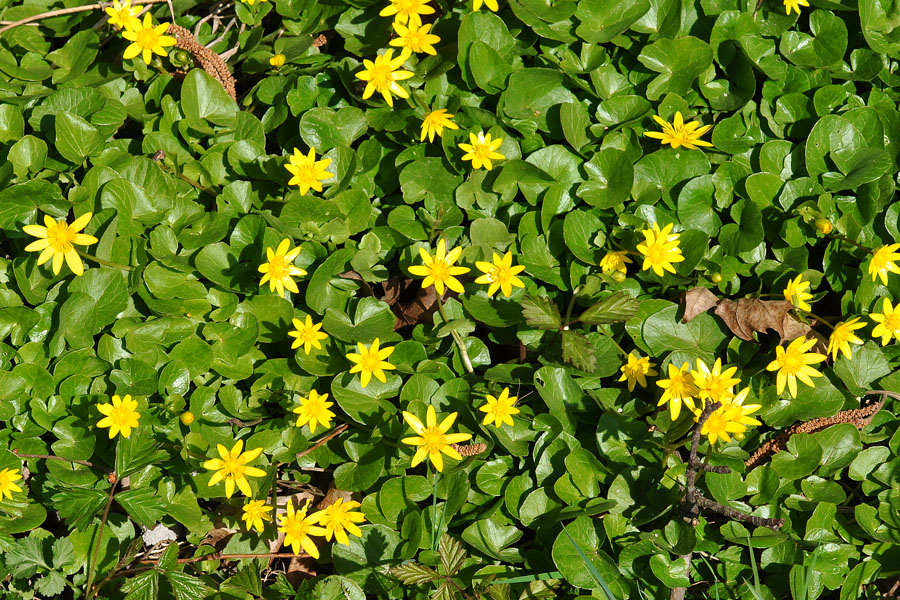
678	133
279	268
314	411
252	2
439	270
255	512
742	415
824	226
635	370
491	4
7	485
297	527
723	421
793	363
842	336
887	323
790	5
338	519
500	409
57	239
678	388
882	262
432	439
307	171
660	249
407	11
382	76
716	384
795	293
277	61
123	15
415	39
500	274
434	123
371	361
615	261
307	334
121	416
482	150
232	467
147	40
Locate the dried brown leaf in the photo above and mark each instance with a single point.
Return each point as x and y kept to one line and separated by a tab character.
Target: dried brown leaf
217	537
696	301
749	315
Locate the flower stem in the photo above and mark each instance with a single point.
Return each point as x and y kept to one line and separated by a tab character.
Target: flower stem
855	243
820	319
89	592
467	363
103	262
434	509
612	339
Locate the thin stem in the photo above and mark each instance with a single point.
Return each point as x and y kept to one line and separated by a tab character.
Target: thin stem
69	11
434	510
93	564
467	362
52	457
338	431
612	339
570	307
100	261
819	319
855	243
184	177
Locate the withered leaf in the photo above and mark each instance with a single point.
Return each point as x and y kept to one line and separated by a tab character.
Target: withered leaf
749	315
696	301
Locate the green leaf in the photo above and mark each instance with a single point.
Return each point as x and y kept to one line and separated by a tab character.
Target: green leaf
78	507
76	139
611	175
28	154
495	539
204	99
678	61
614	308
187	587
452	553
143	505
137	451
531	92
541	312
415	574
673	573
142	587
578	351
602	21
577	554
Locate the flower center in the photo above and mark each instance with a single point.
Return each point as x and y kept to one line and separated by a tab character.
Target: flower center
147	38
433	439
382	75
370	361
232	468
297	528
60	237
892	321
482	151
440	271
656	253
793	362
120	416
415	40
278	268
716	388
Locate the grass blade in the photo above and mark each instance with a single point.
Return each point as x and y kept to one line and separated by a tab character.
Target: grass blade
590	566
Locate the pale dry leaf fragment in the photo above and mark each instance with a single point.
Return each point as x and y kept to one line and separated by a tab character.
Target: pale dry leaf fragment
696	301
749	315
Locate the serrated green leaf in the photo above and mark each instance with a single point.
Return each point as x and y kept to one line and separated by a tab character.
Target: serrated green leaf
578	351
414	574
541	312
615	308
452	553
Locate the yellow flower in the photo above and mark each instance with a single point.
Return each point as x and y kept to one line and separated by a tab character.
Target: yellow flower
371	361
148	39
636	370
888	323
434	123
500	274
307	334
187	418
277	61
742	411
433	438
843	336
415	39
279	268
883	262
297	528
714	384
7	487
491	4
824	226
338	519
438	270
660	249
314	410
407	11
255	512
56	239
615	261
793	363
678	388
123	15
790	5
500	410
121	416
796	293
307	171
232	467
678	134
723	421
382	76
252	2
482	150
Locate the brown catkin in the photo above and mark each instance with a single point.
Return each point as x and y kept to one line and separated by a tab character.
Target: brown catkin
208	60
470	450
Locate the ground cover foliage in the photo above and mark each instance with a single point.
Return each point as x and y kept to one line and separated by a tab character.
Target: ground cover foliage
643	263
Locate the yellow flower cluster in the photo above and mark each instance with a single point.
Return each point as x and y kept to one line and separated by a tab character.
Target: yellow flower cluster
146	38
440	271
660	249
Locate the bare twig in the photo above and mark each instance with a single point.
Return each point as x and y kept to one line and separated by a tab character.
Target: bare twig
68	11
338	431
93	564
241	424
52	457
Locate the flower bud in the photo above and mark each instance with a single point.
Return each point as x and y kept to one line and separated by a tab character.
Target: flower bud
716	278
187	418
277	61
618	276
824	226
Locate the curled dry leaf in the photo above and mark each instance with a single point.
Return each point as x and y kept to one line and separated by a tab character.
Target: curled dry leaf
697	300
